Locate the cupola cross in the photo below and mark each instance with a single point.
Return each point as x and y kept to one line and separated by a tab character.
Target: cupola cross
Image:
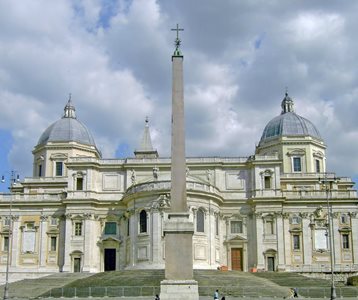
177	40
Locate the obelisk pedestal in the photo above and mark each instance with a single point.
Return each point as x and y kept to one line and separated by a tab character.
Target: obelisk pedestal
179	283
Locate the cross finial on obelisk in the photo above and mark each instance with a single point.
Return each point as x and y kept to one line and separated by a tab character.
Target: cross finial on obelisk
177	41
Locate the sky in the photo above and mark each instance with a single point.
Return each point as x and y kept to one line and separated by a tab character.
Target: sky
114	57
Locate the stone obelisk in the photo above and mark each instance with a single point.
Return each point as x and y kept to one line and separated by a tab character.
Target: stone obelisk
179	282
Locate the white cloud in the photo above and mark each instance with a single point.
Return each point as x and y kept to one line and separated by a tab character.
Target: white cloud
114	57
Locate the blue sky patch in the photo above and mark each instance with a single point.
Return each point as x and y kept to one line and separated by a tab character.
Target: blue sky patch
259	40
5	169
124	151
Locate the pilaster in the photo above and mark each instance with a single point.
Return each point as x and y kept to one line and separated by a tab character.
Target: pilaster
43	240
280	242
354	222
87	249
259	241
67	267
307	242
15	245
287	240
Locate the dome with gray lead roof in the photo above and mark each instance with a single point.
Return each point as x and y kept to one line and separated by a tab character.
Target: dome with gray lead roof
289	124
67	129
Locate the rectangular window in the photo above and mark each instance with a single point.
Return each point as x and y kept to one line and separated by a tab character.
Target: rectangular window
128	227
236	226
110	228
53	243
318	166
200	221
59	167
267	182
297	164
40	170
296	242
217	225
345	241
6	243
79	184
295	220
269	226
344	219
7	222
54	222
78	228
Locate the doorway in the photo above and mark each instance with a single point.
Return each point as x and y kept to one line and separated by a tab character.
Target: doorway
77	264
236	259
270	263
109	260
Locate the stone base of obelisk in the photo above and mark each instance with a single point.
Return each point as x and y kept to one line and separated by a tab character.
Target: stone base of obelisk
179	290
179	283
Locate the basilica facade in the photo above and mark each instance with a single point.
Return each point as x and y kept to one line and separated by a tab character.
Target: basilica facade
270	211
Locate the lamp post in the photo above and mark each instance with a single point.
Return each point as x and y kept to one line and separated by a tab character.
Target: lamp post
327	184
13	180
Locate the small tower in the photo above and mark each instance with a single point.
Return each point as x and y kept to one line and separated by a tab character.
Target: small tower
145	148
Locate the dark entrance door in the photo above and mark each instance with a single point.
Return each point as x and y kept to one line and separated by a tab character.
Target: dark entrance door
270	263
109	259
77	264
236	259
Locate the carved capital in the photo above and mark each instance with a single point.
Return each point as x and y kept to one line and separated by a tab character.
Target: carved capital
335	215
286	215
87	216
15	217
43	218
304	215
353	215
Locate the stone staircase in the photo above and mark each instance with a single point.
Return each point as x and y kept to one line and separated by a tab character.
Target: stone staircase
238	284
146	283
230	283
32	288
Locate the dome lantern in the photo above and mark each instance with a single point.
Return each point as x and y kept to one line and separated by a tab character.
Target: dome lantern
287	104
70	111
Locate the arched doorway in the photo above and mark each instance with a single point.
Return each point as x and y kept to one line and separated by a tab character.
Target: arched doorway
270	259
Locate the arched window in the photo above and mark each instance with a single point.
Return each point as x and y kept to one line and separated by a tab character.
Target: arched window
143	221
200	220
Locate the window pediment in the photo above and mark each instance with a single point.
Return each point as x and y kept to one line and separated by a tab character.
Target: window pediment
109	239
58	156
237	238
295	230
318	154
296	152
345	229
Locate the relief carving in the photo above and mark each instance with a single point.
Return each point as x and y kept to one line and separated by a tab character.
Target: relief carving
163	201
